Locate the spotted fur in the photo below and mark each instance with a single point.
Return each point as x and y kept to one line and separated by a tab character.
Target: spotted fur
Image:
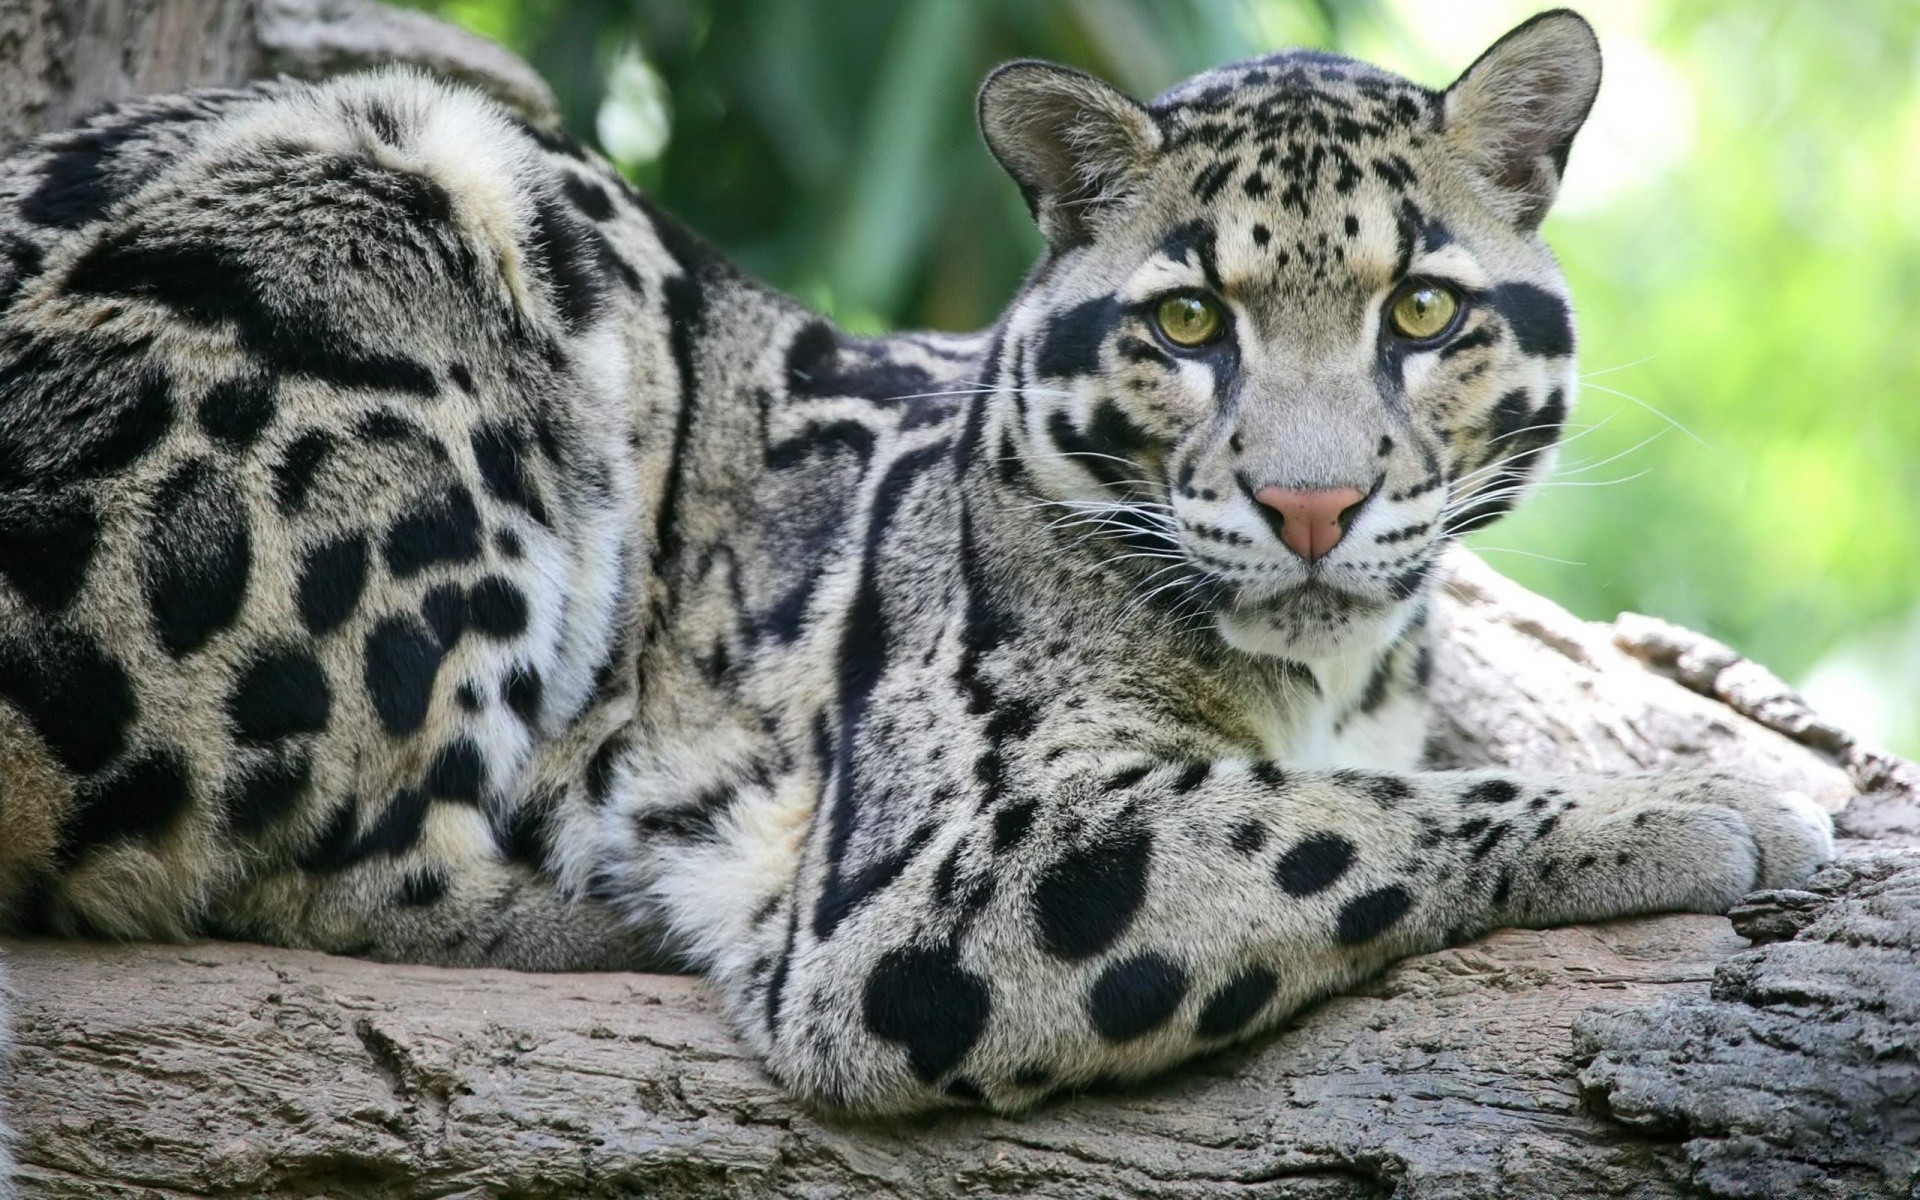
413	544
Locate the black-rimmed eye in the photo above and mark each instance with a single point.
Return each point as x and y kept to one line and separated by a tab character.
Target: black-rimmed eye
1422	310
1189	320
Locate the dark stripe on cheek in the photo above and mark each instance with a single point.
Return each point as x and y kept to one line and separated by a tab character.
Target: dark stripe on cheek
1111	435
1070	344
1508	418
1478	339
1541	321
1139	350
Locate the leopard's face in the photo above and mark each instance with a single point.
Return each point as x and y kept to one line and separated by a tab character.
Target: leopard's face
1295	339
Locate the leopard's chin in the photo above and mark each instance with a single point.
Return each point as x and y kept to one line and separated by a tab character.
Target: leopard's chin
1311	620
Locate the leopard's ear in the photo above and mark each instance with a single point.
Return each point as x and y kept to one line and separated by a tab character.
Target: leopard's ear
1513	113
1072	142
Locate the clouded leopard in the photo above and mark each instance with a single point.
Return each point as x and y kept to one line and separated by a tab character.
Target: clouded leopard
414	544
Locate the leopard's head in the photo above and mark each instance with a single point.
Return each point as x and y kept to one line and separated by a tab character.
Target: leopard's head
1296	327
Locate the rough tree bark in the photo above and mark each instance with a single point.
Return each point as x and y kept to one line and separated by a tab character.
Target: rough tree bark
1649	1058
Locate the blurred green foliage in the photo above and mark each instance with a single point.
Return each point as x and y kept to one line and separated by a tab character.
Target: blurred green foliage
1741	226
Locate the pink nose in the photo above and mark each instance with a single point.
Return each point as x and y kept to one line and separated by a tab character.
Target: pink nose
1310	518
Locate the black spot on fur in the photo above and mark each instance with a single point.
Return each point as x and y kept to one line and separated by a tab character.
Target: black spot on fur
332	847
1236	1003
577	260
394	832
497	608
267	792
79	406
1383	789
402	659
686	310
1135	996
142	799
1486	844
1268	774
299	469
1249	837
195	566
1504	887
696	820
1087	898
1113	432
235	411
421	888
1212	177
445	609
589	197
1070	344
446	530
521	691
863	657
457	772
1012	824
76	186
1194	239
846	891
1191	776
21	261
1093	450
332	577
384	124
820	440
75	695
1033	1075
822	362
1491	791
1371	914
924	1000
1479	338
499	452
1509	416
1540	320
46	546
278	694
526	837
600	767
1314	864
211	283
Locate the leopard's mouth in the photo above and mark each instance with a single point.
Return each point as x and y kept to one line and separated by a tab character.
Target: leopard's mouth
1253	591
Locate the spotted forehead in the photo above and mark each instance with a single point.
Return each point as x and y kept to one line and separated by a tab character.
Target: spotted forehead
1284	127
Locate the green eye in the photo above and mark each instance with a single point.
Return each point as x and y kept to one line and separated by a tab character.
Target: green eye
1423	311
1189	320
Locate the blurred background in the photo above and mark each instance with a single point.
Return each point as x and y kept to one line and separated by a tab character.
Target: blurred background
1741	224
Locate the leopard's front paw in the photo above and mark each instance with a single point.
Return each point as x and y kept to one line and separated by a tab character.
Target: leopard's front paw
1794	834
1686	841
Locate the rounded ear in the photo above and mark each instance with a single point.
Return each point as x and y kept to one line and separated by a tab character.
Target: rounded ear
1072	142
1514	112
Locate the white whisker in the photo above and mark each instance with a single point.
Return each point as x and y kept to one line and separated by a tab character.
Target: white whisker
1650	408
